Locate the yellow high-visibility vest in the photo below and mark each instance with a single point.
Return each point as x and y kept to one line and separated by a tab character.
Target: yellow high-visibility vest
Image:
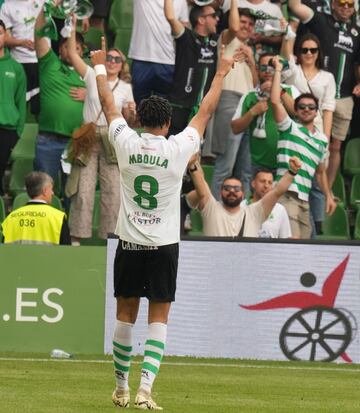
33	224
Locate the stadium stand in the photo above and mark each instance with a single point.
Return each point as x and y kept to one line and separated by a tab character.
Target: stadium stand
22	198
339	189
352	157
208	173
336	226
25	147
120	23
355	192
196	223
93	38
357	226
19	169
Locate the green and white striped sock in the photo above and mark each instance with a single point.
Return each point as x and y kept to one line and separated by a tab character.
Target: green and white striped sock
122	348
154	350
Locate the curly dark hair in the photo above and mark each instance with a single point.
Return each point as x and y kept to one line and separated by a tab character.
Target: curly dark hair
154	112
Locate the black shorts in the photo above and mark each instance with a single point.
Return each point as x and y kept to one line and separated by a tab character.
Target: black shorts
142	271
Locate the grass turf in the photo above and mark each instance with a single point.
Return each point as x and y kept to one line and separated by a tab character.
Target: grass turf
184	385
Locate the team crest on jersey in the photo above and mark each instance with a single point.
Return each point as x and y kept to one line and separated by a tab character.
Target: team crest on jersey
354	32
213	43
344	42
206	53
118	130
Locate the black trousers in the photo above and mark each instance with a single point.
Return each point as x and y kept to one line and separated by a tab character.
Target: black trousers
8	139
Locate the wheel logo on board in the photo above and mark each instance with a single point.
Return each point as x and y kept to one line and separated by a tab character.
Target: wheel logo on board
319	331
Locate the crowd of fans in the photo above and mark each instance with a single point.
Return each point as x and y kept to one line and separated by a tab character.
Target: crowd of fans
174	50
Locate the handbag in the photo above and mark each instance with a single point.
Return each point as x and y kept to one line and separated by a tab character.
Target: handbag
83	140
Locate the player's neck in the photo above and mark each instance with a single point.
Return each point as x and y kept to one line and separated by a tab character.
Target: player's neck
156	131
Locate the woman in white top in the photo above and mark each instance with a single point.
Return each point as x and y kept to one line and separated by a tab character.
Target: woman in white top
101	162
307	75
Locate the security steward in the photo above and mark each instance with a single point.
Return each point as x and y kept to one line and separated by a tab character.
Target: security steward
37	222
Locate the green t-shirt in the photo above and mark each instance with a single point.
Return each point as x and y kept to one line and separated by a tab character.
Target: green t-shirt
262	149
59	112
12	94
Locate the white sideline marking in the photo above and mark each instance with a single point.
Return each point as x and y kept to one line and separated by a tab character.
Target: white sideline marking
190	364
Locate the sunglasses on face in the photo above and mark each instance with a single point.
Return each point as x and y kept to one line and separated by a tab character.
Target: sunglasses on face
343	3
116	59
266	68
229	188
306	50
310	106
213	15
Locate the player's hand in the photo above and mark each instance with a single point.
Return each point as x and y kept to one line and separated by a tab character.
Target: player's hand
78	93
260	107
98	57
330	205
295	164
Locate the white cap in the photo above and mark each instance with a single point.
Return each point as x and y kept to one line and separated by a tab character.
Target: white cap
203	2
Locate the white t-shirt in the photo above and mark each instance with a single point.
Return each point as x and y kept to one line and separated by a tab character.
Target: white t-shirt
239	79
322	86
277	224
19	16
151	39
122	95
151	170
218	222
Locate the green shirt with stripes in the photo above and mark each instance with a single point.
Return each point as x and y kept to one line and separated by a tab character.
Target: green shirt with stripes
310	148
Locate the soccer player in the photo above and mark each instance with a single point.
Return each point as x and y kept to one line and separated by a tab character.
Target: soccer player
151	170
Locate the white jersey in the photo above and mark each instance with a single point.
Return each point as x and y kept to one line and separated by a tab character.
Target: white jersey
151	171
151	39
19	16
277	224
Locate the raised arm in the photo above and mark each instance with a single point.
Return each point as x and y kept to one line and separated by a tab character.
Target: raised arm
288	42
176	25
269	200
106	97
42	44
275	96
199	197
301	11
76	61
234	24
211	99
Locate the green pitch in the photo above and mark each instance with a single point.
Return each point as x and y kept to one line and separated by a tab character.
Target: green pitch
184	385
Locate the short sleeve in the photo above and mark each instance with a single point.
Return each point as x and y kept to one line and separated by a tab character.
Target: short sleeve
119	132
284	124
